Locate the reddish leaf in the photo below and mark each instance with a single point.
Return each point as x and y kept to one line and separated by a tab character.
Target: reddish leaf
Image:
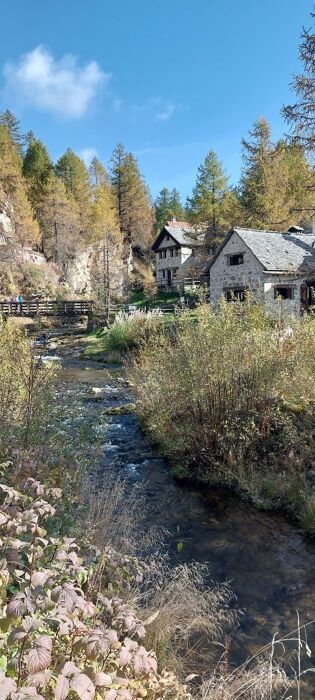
124	657
39	578
62	688
39	679
39	658
7	687
44	641
69	669
83	686
102	679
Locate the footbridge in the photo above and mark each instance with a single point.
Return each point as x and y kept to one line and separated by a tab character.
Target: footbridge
32	309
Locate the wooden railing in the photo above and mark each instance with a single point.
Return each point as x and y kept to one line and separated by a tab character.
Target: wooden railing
46	308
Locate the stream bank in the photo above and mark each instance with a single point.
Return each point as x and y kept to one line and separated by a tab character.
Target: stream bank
268	562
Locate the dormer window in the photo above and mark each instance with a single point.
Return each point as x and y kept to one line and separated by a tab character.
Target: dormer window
237	259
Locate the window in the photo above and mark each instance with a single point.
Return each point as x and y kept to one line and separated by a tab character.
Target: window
176	252
172	252
237	294
193	252
160	254
284	292
237	259
168	237
175	270
163	274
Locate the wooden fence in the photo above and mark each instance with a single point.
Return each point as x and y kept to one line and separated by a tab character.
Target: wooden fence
46	308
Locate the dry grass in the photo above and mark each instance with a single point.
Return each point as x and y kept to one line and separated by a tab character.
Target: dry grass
186	618
115	515
278	671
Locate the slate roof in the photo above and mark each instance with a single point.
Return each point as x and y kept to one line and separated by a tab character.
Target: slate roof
181	231
278	252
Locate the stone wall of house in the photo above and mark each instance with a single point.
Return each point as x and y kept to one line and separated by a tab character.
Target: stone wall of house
224	276
169	263
251	274
279	307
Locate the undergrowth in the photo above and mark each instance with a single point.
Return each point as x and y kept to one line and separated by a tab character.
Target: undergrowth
230	399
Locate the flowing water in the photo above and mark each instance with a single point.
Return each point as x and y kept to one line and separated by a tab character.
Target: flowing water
267	560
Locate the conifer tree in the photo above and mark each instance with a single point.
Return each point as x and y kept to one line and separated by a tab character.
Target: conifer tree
12	124
205	206
74	174
274	181
59	221
301	114
162	209
132	197
37	167
98	174
176	208
13	196
117	168
107	233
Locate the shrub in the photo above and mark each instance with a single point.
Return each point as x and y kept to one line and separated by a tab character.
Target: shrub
130	330
229	396
24	388
65	632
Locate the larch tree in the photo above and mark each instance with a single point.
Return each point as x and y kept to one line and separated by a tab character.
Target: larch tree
37	166
13	197
12	124
274	181
98	174
117	169
176	208
162	208
59	221
264	180
205	206
74	174
301	185
106	233
301	114
134	206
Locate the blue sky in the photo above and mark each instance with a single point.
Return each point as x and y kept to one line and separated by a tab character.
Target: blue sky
169	78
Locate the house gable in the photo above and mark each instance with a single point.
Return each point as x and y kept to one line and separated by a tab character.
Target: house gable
223	276
164	240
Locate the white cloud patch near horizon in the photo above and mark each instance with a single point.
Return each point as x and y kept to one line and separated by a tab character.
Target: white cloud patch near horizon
87	154
62	87
166	112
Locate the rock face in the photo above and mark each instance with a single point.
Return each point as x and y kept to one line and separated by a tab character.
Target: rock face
86	273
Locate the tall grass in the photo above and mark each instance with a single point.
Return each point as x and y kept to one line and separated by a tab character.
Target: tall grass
24	389
131	330
230	398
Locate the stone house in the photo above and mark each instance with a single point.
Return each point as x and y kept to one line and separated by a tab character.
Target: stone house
176	252
273	266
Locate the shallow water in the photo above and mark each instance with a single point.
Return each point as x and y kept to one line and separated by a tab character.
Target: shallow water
267	560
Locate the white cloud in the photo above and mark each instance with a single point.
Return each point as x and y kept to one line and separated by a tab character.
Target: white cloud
166	111
87	154
156	107
62	87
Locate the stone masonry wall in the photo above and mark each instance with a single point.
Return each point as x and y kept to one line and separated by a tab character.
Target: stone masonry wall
223	275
